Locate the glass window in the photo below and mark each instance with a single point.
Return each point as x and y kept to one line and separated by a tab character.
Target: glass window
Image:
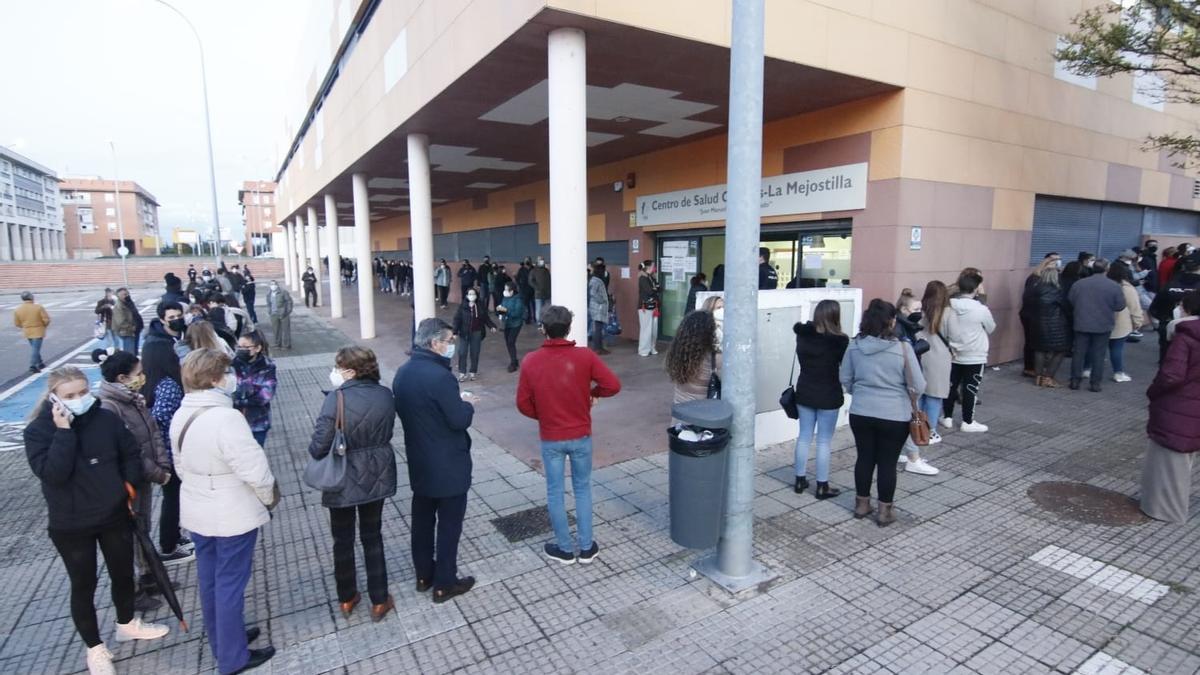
108	197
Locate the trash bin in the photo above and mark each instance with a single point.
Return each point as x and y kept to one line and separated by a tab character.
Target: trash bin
697	472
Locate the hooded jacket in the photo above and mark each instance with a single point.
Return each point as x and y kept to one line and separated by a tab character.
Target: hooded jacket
820	356
968	324
130	406
873	374
83	469
1175	393
368	422
255	390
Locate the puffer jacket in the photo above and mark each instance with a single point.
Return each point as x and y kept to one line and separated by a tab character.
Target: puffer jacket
255	390
819	356
1051	318
368	422
130	406
1175	393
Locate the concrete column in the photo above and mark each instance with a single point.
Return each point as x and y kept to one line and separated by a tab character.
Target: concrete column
27	241
420	211
331	250
301	254
362	249
566	67
289	253
18	247
62	244
39	240
314	249
5	247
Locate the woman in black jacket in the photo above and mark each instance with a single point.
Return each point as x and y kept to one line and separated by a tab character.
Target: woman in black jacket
87	462
471	323
1050	325
820	345
368	418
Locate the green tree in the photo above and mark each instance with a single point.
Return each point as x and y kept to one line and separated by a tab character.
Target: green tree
1156	41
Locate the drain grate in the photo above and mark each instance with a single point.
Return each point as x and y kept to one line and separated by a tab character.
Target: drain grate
1085	503
526	524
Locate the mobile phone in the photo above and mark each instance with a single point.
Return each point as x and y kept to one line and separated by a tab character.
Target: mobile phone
55	400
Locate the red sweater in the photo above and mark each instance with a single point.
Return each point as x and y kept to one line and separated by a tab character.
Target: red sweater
556	388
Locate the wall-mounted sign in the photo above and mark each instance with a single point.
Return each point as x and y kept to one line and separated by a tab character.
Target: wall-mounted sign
635	245
914	239
838	188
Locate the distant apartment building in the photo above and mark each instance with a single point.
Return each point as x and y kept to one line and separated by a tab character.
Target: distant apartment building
96	220
30	223
257	199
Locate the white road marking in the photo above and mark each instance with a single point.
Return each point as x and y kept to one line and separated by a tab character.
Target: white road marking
8	393
1109	577
1103	664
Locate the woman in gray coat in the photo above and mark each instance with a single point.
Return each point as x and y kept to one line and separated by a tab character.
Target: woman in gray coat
598	306
368	417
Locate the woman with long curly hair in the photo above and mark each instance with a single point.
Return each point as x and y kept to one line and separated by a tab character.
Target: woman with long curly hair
692	358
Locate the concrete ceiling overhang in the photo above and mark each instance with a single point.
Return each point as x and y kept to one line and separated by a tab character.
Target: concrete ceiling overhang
647	91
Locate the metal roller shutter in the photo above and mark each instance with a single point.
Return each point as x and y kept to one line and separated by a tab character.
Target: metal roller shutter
1120	228
1064	225
1169	221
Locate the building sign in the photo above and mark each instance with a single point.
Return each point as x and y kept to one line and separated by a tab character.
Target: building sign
914	239
838	188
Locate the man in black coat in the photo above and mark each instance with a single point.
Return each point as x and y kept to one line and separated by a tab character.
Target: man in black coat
467	278
768	278
436	418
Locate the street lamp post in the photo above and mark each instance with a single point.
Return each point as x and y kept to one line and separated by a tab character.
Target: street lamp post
121	250
212	172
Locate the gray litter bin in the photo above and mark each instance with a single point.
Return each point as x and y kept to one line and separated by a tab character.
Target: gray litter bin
697	473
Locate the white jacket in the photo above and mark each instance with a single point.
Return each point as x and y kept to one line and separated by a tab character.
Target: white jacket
968	324
226	479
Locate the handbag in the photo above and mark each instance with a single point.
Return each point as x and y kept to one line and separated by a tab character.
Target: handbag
918	426
328	474
614	324
787	400
714	380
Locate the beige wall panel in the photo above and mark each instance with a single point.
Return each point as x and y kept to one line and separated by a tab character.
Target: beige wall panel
1044	172
929	18
994	164
1143	159
1087	178
788	18
940	68
886	151
1000	84
446	11
1069	140
1028	45
1056	15
587	7
1026	10
1109	148
707	21
977	27
857	7
1048	97
1118	86
1012	210
933	155
862	47
1156	188
595	227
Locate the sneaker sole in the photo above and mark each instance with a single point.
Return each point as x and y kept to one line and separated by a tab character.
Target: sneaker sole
973	431
588	561
181	561
922	473
118	638
558	560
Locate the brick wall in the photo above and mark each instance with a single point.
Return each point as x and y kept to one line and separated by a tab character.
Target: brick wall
15	276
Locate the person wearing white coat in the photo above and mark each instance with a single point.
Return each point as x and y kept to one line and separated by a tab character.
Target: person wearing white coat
226	493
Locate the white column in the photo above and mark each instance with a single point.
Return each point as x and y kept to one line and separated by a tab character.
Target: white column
18	246
289	253
362	247
62	244
314	249
420	211
26	244
39	240
568	174
301	255
331	250
5	247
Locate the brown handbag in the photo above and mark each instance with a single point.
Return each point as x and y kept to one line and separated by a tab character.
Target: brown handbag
918	426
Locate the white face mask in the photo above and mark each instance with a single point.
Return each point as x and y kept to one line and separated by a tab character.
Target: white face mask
719	314
471	297
228	385
449	351
274	286
336	378
508	294
80	405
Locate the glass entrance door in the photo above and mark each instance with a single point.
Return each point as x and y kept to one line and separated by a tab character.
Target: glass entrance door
678	261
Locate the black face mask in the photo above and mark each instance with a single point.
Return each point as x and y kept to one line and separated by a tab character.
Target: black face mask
245	354
177	325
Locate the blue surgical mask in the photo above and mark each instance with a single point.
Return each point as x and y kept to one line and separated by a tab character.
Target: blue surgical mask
80	405
450	351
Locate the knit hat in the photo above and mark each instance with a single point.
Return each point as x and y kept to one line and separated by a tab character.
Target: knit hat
173	282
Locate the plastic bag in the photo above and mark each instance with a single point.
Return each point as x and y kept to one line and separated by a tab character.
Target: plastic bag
708	441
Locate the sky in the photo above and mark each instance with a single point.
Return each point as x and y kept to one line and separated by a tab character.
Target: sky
80	73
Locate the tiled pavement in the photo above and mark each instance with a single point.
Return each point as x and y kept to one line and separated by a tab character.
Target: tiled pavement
974	578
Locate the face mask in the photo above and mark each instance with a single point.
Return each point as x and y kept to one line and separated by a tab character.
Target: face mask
1152	249
245	354
177	325
450	350
1058	264
541	263
719	314
336	378
136	383
80	405
470	297
228	385
274	286
508	294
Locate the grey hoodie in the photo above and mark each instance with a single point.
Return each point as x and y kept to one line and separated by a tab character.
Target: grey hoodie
968	324
873	374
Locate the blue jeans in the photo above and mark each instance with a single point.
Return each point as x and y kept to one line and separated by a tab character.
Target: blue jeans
824	422
110	339
1116	354
554	455
260	436
127	344
35	352
538	303
932	407
223	566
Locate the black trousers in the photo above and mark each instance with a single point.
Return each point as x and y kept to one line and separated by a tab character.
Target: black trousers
168	519
443	294
1029	360
310	297
598	333
965	379
530	308
510	341
878	443
78	551
445	516
1089	350
470	345
370	533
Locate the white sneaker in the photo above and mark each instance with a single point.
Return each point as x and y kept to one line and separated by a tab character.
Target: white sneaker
922	467
948	422
140	630
973	427
99	660
903	458
1087	372
934	437
1121	377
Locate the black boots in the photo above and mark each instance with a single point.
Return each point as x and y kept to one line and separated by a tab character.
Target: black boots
801	484
823	491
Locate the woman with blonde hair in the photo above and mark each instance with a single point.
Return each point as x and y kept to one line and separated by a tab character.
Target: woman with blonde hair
228	490
201	335
87	462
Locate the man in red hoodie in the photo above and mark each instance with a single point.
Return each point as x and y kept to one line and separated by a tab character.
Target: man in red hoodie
559	385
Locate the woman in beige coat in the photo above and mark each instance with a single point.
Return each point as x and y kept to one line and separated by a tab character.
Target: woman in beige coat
1128	320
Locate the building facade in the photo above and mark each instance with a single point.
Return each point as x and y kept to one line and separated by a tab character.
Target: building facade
97	212
30	220
903	141
257	199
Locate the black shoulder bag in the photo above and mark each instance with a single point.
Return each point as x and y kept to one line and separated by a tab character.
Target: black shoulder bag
787	400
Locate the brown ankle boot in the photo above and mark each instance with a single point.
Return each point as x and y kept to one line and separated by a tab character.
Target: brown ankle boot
379	611
887	514
862	507
1040	382
349	605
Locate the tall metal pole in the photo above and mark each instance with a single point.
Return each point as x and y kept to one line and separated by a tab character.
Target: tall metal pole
120	227
212	172
734	567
